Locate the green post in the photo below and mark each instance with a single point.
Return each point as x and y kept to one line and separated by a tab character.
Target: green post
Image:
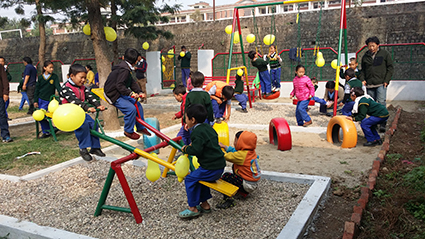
52	130
105	192
346	46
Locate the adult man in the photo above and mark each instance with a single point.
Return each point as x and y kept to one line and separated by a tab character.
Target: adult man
140	68
30	78
377	70
185	64
9	78
4	89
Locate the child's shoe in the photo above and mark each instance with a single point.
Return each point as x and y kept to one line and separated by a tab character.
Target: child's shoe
133	135
273	89
97	151
7	140
370	144
144	131
245	110
307	123
226	203
85	155
277	89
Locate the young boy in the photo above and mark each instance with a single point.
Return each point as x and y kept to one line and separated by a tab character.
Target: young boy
329	98
239	95
262	72
117	93
246	171
221	99
180	95
378	113
210	157
351	82
351	65
198	96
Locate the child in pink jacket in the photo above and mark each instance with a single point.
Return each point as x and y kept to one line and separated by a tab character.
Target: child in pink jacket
303	90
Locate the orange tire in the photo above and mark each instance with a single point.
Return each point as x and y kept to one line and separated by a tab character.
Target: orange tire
349	132
280	134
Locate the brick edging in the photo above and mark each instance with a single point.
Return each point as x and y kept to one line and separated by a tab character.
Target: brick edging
351	227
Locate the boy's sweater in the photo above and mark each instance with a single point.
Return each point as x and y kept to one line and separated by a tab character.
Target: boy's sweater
44	88
260	64
243	155
119	81
377	70
238	85
353	82
71	93
205	146
185	61
199	96
181	112
367	106
303	88
274	61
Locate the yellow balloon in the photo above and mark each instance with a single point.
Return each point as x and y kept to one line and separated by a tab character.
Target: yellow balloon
182	166
53	105
334	64
236	38
182	54
319	54
38	115
171	53
153	172
68	117
110	34
162	58
87	29
145	45
44	111
163	68
250	38
228	29
320	62
180	179
269	39
240	72
195	162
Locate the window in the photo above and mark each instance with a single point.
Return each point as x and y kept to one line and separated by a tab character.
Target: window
288	8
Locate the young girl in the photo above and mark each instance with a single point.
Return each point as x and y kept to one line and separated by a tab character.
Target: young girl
45	87
304	91
74	91
189	82
275	69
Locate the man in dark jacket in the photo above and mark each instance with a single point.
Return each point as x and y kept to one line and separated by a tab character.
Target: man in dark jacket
4	89
30	78
122	91
185	64
377	70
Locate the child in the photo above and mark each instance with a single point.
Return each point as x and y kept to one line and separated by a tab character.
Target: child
304	91
180	95
365	105
246	171
210	158
45	87
329	98
71	92
351	65
189	82
117	93
275	69
199	96
351	82
24	94
221	99
263	72
90	77
242	98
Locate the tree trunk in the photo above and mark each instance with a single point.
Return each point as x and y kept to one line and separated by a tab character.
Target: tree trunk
100	48
42	30
114	26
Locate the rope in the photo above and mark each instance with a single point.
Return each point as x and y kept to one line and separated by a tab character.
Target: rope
256	32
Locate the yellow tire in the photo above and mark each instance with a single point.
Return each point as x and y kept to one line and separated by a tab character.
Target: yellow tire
340	127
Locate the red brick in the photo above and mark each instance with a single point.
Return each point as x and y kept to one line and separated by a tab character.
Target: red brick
350	228
371	184
382	154
379	159
358	209
387	140
365	197
356	218
362	203
376	165
366	190
374	172
385	146
347	236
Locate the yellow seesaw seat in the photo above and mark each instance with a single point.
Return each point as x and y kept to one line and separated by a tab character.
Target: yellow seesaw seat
222	186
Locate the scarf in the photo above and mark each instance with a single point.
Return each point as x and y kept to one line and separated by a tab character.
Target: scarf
356	103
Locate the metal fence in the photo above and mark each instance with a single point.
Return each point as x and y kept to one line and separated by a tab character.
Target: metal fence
16	70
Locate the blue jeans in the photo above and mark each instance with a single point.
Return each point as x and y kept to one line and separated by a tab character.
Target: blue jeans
347	108
43	104
196	192
218	110
23	99
185	135
4	125
301	112
369	127
6	105
323	107
126	105
265	82
85	139
242	99
379	94
275	76
185	75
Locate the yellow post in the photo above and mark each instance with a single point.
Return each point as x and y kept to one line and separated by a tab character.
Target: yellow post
155	159
170	160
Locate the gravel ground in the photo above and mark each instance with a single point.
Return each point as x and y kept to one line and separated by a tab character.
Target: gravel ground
67	200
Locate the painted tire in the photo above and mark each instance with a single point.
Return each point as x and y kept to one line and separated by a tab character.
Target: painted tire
280	134
274	96
222	130
149	141
295	102
340	126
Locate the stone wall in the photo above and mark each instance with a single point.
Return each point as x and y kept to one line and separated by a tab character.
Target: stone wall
394	23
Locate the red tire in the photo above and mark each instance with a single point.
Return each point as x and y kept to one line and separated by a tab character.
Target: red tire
295	101
280	134
274	96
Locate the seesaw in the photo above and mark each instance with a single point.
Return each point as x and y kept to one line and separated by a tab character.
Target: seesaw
220	185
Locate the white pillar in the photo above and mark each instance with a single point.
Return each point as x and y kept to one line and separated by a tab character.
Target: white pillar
204	61
153	73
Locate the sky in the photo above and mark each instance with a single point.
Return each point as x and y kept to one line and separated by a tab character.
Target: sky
29	10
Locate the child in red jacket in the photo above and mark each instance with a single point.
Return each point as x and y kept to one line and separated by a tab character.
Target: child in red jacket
180	95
